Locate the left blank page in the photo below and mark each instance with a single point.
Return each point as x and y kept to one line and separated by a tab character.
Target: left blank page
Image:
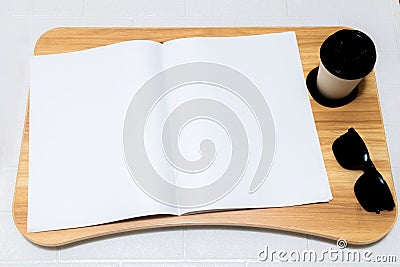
77	170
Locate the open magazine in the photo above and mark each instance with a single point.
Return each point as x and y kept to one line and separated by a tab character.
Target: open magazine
195	124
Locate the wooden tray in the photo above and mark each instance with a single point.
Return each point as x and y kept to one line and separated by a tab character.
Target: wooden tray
343	217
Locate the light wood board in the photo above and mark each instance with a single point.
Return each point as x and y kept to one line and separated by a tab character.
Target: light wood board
343	217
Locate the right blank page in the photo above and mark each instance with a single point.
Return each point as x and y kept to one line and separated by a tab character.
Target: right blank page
272	63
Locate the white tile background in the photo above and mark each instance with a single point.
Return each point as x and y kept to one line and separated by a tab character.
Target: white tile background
23	21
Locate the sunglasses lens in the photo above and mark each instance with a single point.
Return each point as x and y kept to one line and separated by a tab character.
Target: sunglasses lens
350	151
373	193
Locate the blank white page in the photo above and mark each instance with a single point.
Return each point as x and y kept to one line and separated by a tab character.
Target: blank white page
78	101
272	62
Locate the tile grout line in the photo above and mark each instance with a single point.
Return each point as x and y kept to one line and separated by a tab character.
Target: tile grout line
163	260
183	240
287	8
43	261
58	253
84	8
9	168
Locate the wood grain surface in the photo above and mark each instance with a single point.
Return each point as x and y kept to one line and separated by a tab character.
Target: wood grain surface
343	217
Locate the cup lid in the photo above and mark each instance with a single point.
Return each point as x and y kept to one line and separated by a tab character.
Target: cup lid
348	54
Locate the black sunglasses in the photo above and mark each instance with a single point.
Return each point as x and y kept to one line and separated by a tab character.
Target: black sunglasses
371	190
